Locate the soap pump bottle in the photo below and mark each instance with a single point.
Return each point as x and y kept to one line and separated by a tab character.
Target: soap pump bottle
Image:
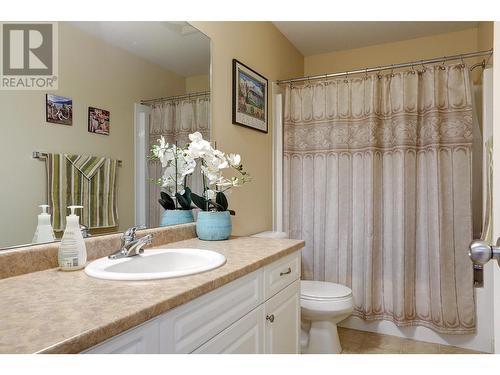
44	231
72	252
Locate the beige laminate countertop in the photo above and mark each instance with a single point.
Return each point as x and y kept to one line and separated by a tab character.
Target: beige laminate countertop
66	312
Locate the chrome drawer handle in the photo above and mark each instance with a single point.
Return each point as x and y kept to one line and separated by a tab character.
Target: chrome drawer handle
287	272
270	318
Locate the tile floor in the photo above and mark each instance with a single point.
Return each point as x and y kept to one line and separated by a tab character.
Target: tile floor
361	342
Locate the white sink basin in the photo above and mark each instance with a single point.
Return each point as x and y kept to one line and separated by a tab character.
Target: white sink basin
156	264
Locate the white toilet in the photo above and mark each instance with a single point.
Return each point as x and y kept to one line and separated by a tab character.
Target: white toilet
323	305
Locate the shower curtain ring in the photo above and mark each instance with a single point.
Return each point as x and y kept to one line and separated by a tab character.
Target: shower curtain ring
392	70
462	65
346	77
412	71
442	67
366	73
424	69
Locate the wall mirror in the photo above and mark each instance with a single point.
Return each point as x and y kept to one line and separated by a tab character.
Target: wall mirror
121	85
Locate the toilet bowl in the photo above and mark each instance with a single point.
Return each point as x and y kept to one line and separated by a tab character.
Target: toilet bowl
323	306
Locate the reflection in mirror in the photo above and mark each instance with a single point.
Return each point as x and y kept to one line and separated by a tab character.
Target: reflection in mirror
121	86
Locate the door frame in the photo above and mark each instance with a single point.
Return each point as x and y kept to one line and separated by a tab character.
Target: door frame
141	175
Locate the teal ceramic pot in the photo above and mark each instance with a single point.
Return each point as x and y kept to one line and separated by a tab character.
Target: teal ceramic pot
175	217
213	226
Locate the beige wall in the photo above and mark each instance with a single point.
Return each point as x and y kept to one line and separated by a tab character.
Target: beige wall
198	83
262	47
390	53
92	74
485	35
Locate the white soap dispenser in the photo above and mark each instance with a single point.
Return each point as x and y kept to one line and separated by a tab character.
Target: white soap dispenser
72	252
44	231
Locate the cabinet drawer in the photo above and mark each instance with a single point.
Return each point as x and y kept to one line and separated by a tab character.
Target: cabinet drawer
280	274
189	326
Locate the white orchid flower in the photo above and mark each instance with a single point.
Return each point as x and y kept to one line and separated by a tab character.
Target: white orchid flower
159	149
176	163
212	161
166	156
162	143
234	160
198	146
195	137
219	159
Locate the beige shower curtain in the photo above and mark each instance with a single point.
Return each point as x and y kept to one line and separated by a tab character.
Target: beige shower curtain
378	184
175	120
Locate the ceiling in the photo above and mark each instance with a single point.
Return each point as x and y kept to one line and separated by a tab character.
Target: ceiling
176	46
313	37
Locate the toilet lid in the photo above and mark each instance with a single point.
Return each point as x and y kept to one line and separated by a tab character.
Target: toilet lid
323	290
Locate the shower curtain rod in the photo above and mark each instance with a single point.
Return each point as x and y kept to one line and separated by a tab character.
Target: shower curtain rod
166	98
386	67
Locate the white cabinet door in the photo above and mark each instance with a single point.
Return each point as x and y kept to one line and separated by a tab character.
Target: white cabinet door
246	336
283	321
144	339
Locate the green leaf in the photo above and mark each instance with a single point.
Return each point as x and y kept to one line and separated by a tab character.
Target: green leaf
200	202
165	196
167	204
187	195
221	200
183	202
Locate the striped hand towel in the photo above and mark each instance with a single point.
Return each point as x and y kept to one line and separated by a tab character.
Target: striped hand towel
87	181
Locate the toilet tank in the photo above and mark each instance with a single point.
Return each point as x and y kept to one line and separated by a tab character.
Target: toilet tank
270	234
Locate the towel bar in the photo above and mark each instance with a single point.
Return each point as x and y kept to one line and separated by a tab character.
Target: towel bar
43	156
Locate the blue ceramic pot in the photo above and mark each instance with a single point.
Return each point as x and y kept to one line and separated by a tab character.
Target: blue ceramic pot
174	217
213	225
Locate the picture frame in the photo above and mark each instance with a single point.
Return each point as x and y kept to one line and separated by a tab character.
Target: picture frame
98	121
250	98
58	109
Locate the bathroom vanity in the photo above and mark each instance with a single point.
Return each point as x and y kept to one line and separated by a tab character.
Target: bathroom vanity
250	304
258	313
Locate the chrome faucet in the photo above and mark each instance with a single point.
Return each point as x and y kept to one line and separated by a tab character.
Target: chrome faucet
85	231
132	246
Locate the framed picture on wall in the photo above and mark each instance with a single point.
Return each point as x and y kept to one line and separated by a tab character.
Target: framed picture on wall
250	97
58	109
98	121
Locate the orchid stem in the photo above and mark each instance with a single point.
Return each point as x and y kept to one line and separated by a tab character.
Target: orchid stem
204	187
